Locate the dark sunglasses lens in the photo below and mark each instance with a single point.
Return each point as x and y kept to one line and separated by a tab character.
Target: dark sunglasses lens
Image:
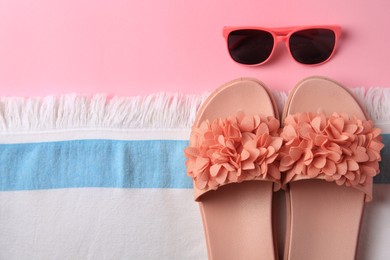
312	46
250	46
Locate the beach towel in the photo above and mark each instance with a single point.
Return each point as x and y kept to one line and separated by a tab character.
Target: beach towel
100	177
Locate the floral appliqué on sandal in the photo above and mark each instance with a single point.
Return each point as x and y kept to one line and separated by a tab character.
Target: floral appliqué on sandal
337	148
234	149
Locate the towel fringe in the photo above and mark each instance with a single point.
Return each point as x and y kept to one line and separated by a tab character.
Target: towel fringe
376	101
159	110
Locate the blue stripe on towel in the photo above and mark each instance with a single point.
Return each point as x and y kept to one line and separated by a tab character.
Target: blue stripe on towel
384	176
93	163
106	163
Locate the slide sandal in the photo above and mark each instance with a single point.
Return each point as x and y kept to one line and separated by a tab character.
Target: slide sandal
329	157
232	159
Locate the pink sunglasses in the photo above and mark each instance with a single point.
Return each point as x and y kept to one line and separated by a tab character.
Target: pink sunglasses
307	44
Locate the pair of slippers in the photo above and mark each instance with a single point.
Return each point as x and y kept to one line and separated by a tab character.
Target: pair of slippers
324	156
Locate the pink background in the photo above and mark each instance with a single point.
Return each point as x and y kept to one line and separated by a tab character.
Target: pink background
138	47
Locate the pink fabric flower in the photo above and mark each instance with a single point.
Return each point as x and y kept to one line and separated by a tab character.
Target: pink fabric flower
338	148
234	149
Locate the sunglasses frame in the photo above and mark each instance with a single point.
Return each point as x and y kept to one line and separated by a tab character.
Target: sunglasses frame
283	34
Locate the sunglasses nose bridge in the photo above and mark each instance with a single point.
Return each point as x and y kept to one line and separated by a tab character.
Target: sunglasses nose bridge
281	38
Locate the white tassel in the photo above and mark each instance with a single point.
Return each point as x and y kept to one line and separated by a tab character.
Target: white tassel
376	102
159	110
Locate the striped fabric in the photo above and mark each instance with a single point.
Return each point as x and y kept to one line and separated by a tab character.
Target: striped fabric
97	198
110	193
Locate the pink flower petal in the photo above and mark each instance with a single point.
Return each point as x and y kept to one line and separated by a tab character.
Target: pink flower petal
350	176
350	128
334	155
336	176
255	171
201	181
376	145
247	165
286	161
289	132
320	140
263	129
340	181
247	124
312	171
319	162
304	131
295	153
373	155
342	167
298	167
368	170
270	151
352	165
228	167
244	155
338	123
273	171
221	177
213	184
191	152
362	179
273	124
276	143
308	157
272	158
288	176
316	124
329	168
214	169
360	155
202	163
232	177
